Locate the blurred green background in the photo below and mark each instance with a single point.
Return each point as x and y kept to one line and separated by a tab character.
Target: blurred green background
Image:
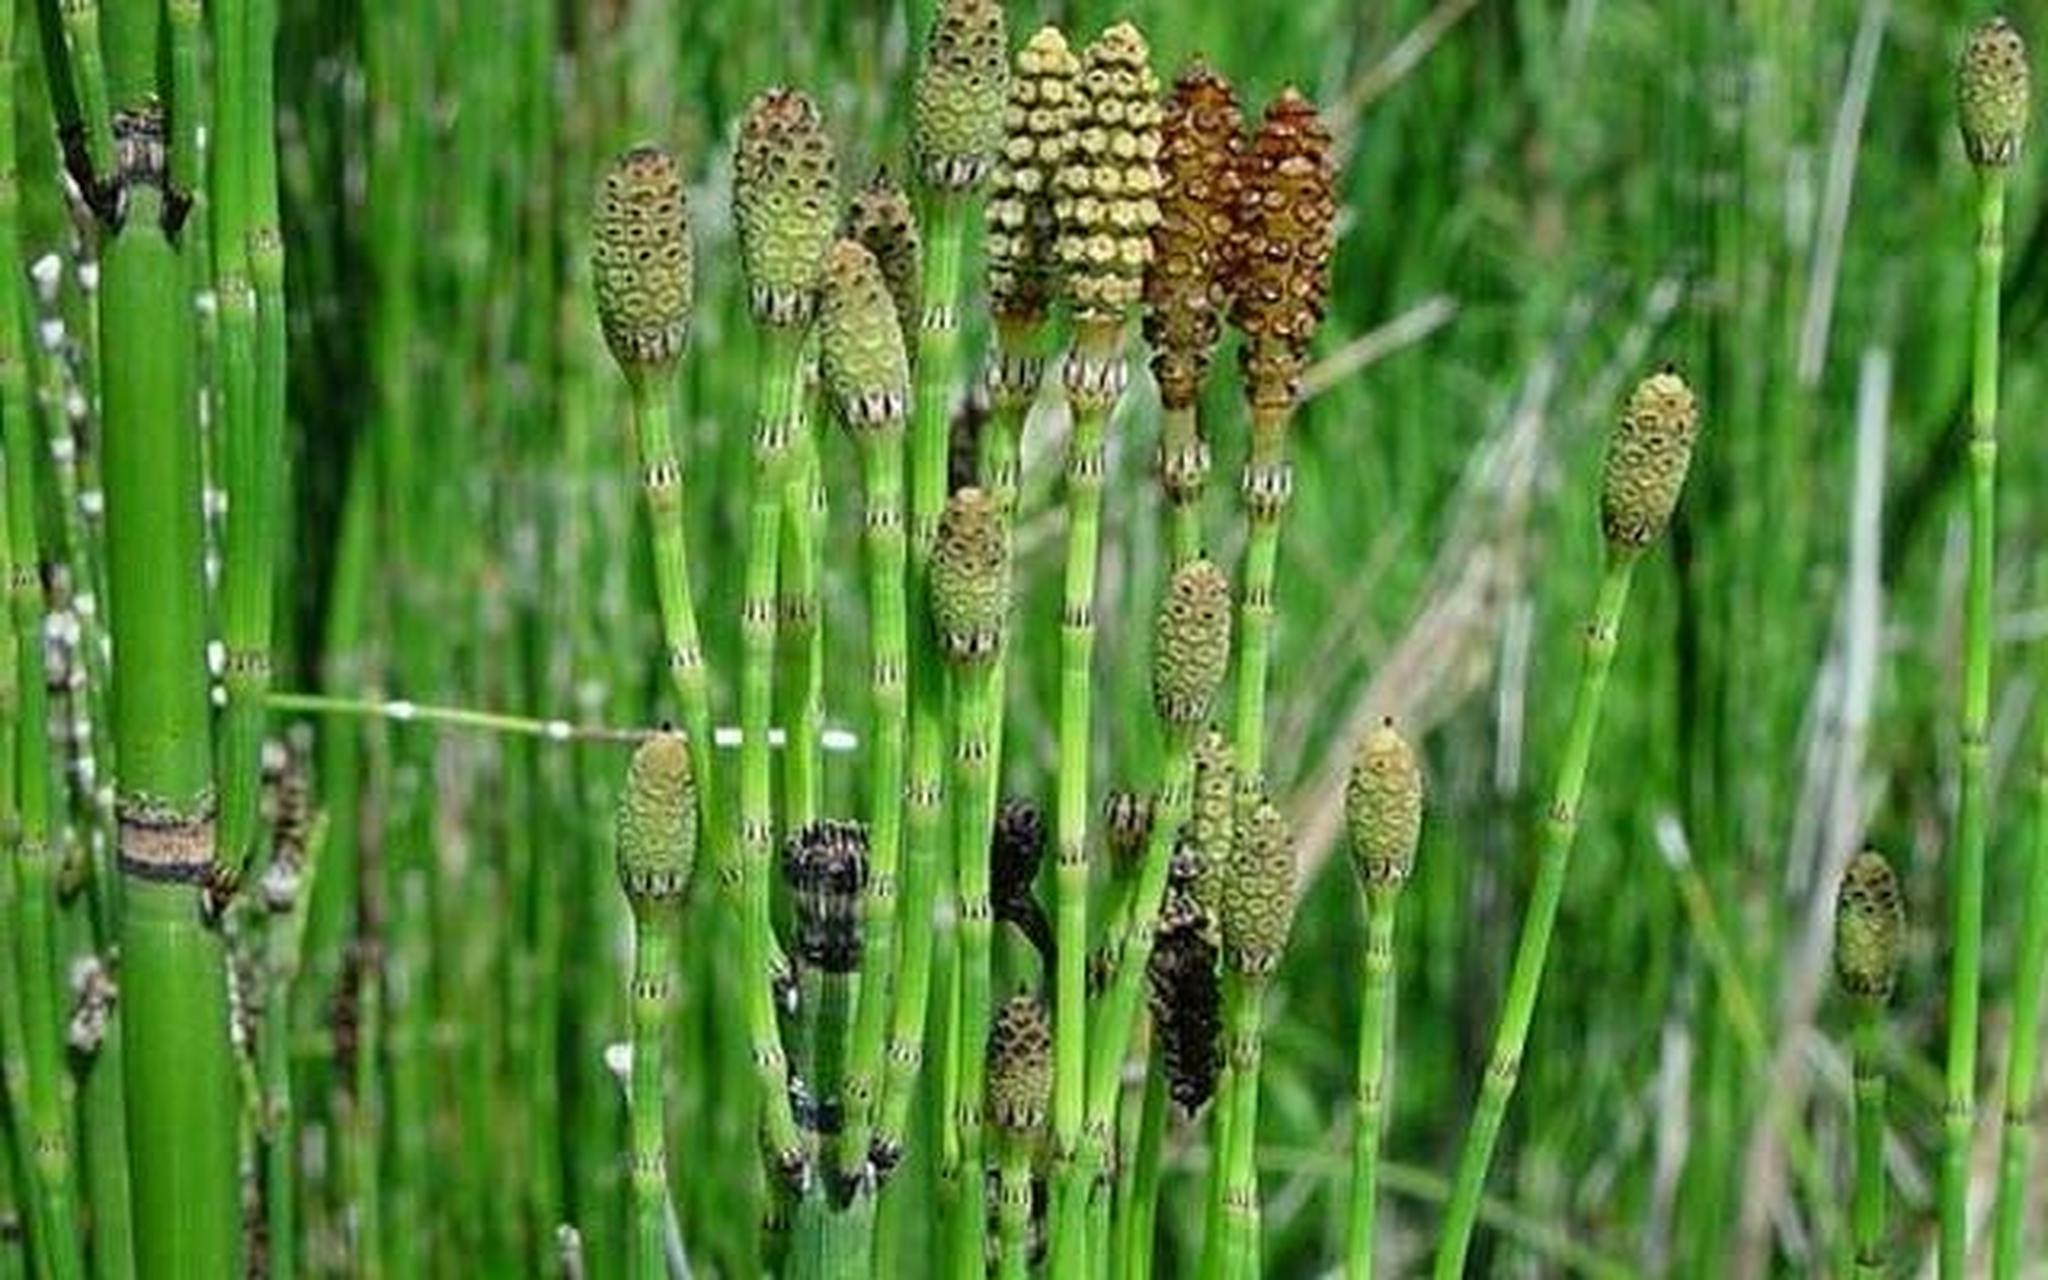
1541	199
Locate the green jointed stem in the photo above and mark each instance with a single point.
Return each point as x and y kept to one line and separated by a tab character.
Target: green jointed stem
1267	485
773	437
800	630
249	480
2023	1061
1560	824
1972	804
81	21
1374	1026
1870	1090
1235	1254
935	371
184	111
1184	461
655	926
1013	1209
974	809
33	925
1138	1218
174	981
1094	362
882	471
1110	1030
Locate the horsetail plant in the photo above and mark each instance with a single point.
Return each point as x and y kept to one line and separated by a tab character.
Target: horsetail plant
785	203
1647	459
1104	207
1257	913
867	378
1202	140
1870	924
958	111
1285	223
970	601
1383	809
657	851
1019	1087
1992	101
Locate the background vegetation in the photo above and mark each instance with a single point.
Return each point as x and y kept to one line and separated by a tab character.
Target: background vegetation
1539	198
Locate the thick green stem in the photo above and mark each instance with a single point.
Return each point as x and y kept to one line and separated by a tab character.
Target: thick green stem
2023	1052
974	809
1967	933
1374	1027
936	370
774	434
882	478
180	1082
1870	1091
1560	824
655	927
1094	368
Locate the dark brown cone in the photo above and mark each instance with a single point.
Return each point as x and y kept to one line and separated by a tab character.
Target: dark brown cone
1186	996
880	216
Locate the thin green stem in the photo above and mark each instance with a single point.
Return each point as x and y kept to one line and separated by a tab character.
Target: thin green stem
773	437
1184	464
1870	1091
1095	361
88	77
974	810
1374	1029
1115	1018
1525	978
1230	1249
1138	1219
1971	810
2023	1051
284	951
881	454
936	371
1267	483
655	927
800	630
1013	1209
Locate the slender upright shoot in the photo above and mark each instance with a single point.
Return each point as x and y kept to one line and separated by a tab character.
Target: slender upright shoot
785	196
1992	87
657	851
970	580
1383	810
1647	460
956	126
1257	913
867	381
1104	208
